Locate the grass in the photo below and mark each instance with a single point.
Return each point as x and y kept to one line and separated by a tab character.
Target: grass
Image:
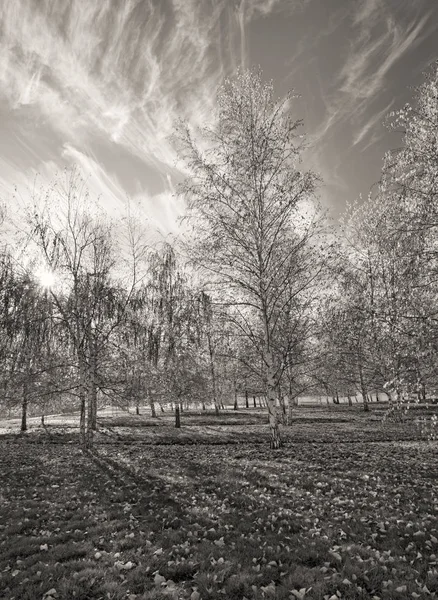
331	515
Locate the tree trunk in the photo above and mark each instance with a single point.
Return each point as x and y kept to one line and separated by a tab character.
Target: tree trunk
350	401
42	420
235	398
91	413
24	404
327	396
137	391
290	396
151	403
363	388
254	400
91	373
290	405
272	409
177	416
82	419
94	410
92	399
213	376
93	403
282	403
84	424
390	400
246	399
89	431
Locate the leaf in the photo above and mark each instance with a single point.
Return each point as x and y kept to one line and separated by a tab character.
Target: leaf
335	555
220	542
159	579
269	589
299	594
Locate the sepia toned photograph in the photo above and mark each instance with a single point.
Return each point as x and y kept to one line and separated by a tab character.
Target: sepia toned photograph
218	299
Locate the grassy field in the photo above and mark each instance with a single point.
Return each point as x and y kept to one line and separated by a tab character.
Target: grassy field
348	509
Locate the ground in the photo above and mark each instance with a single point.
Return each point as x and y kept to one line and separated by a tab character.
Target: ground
346	509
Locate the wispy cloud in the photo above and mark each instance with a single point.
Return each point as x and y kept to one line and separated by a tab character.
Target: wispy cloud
369	125
122	70
254	8
381	40
101	184
368	12
370	60
108	79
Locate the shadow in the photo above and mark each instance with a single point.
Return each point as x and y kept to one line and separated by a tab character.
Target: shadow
138	489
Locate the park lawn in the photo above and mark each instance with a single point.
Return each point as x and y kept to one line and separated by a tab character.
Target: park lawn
209	521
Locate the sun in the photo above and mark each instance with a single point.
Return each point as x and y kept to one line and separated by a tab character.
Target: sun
46	278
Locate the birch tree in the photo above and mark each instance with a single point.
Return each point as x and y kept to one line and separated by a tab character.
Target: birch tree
245	196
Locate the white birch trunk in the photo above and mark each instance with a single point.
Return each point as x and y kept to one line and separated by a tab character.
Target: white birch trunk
271	397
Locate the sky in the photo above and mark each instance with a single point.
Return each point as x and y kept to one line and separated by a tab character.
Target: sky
101	84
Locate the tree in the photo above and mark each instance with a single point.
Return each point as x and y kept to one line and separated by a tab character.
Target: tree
75	243
409	193
389	272
175	328
216	344
410	173
245	198
26	337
